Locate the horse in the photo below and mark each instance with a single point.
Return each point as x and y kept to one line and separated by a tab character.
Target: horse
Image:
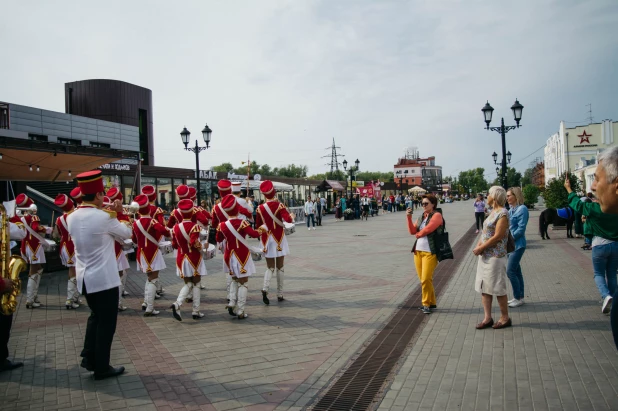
550	216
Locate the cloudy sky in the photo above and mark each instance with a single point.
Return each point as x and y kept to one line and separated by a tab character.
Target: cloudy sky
280	79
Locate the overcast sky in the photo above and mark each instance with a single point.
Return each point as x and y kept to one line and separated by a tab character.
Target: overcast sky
281	79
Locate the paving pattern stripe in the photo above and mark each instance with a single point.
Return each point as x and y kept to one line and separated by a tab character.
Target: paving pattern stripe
357	387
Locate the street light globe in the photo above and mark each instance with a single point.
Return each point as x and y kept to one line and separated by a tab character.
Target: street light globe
517	110
495	156
206	132
185	135
357	163
487	113
345	164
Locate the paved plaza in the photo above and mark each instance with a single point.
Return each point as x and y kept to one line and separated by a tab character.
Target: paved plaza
344	281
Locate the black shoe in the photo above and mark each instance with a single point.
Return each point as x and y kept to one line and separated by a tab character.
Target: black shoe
111	372
280	298
175	312
230	311
433	307
265	297
426	310
87	364
9	365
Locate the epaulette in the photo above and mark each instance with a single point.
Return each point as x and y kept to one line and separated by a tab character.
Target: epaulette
196	228
112	214
243	224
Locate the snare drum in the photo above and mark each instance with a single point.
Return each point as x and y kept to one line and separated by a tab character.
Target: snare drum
165	247
256	256
49	246
127	246
209	251
203	235
290	228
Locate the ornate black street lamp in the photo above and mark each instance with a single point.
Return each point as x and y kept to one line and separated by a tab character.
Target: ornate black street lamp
185	135
352	171
487	113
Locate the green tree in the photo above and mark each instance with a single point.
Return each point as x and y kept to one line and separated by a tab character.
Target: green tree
527	177
513	178
291	170
224	167
555	195
531	194
473	179
265	170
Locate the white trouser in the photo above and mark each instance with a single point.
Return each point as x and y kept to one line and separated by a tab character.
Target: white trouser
72	293
123	282
233	294
196	299
242	299
267	277
149	294
183	294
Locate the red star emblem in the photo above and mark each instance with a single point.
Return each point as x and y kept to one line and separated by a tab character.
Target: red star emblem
584	137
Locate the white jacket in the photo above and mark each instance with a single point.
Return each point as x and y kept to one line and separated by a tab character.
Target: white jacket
93	232
309	207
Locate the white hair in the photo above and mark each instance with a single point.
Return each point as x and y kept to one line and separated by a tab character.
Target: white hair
499	195
609	157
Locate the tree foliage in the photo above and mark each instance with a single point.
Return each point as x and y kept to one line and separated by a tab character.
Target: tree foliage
513	178
472	180
527	177
555	195
531	194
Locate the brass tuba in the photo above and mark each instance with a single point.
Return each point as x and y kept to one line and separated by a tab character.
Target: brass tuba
10	265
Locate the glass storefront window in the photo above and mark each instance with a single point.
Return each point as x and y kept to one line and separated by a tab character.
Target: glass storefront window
110	181
177	182
127	187
164	193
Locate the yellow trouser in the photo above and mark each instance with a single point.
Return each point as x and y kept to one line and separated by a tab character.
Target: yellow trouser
425	265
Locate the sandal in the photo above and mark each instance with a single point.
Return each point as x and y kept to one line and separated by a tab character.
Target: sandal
482	325
499	325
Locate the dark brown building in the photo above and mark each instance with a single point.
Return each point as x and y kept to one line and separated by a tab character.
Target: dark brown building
115	101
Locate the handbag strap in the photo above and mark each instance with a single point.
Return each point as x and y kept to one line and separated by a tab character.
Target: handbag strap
230	227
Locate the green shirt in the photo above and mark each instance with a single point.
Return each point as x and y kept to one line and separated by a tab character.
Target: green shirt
598	223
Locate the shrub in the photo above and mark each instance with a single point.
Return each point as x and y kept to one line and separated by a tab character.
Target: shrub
555	194
531	194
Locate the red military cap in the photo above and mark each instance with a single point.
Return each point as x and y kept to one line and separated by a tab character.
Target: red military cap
23	200
150	192
142	202
229	204
225	187
185	206
91	182
107	201
114	194
76	194
64	201
268	189
192	193
182	191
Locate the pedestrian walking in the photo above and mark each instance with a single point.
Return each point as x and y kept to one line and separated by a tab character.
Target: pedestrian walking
310	213
338	212
479	212
318	212
93	232
604	229
424	249
491	269
518	220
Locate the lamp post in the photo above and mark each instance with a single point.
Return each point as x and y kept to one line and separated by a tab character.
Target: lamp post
487	113
185	135
352	171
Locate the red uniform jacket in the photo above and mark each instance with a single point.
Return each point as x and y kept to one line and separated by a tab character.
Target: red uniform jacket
157	213
145	247
190	249
274	229
199	214
65	239
218	217
235	248
123	218
30	241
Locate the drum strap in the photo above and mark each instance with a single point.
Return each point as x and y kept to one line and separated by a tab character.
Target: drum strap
240	239
36	235
272	215
226	215
148	236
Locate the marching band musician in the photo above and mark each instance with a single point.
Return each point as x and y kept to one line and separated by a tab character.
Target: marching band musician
190	265
243	203
114	194
32	250
156	213
201	217
237	255
147	232
220	216
274	241
17	231
93	231
182	191
76	195
67	249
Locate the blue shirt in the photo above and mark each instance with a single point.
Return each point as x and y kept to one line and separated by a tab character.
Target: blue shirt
518	220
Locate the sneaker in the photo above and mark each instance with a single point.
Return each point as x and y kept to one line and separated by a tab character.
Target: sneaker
197	315
426	310
308	229
314	228
33	304
121	308
125	293
516	303
607	304
510	301
71	305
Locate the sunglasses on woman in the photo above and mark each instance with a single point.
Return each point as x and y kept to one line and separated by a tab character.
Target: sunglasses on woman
424	204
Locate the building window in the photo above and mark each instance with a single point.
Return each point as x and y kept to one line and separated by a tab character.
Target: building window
164	193
37	137
69	141
99	145
127	188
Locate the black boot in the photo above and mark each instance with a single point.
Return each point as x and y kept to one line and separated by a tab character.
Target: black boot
265	297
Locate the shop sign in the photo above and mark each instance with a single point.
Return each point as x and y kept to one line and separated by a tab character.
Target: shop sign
208	175
236	177
116	167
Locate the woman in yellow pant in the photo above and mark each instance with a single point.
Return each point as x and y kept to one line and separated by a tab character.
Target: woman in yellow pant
425	258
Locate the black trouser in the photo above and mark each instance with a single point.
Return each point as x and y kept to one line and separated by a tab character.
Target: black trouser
101	327
480	219
614	318
318	216
5	332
